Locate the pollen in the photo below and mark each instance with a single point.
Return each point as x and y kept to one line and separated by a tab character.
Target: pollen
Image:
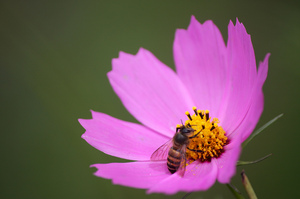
209	138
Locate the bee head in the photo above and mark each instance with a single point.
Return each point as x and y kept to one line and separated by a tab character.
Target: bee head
186	130
183	134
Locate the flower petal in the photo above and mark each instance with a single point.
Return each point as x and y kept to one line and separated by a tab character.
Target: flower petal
200	59
119	138
257	104
134	174
150	91
242	76
198	177
226	163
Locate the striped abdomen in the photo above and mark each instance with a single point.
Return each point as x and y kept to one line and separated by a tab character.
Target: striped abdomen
174	159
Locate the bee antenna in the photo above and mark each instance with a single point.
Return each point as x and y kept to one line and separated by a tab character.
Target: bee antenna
182	123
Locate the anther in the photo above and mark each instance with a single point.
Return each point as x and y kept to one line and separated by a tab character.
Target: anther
207	115
178	126
201	114
195	110
188	114
213	127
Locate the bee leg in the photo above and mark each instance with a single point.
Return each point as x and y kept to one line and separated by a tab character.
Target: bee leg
195	135
194	150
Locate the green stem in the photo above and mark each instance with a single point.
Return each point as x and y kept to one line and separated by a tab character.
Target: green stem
235	192
248	186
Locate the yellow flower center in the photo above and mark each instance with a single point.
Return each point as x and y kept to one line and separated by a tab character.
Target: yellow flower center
210	140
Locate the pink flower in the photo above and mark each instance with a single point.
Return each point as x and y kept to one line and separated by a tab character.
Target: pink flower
210	75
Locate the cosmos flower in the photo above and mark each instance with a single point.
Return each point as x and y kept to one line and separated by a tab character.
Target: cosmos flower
221	80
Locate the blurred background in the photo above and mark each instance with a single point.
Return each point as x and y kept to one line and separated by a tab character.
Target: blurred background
54	60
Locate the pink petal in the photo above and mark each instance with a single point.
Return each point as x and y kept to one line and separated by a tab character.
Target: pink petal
198	177
200	59
226	163
150	91
134	174
257	104
242	76
119	138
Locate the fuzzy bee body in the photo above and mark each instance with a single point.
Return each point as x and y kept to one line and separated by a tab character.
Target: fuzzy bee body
174	159
175	150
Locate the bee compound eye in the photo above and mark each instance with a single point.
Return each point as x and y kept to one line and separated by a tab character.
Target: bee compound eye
187	131
184	131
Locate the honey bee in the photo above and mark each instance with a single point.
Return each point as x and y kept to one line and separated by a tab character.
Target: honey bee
175	150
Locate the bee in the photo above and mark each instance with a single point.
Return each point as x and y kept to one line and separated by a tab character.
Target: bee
175	150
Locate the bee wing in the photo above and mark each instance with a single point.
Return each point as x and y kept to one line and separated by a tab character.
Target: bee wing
162	152
181	169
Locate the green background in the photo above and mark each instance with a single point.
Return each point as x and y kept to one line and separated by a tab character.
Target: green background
54	60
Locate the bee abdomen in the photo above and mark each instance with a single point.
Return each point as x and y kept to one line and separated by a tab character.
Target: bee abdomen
174	160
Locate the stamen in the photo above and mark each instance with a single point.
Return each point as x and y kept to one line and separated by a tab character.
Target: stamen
213	127
188	114
207	115
200	113
195	110
178	126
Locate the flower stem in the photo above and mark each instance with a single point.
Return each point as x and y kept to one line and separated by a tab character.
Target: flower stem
186	195
235	192
248	186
